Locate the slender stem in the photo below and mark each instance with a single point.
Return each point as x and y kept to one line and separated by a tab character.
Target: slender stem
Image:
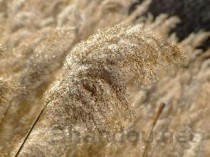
29	132
160	110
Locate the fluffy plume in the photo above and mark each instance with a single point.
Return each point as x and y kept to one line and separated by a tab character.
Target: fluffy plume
92	94
58	82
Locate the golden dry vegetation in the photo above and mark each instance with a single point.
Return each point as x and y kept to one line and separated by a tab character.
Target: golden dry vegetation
73	71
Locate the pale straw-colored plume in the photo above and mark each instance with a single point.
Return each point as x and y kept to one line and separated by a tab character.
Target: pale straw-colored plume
86	67
92	93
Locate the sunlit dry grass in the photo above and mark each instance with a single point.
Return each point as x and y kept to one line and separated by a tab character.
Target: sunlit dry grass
60	58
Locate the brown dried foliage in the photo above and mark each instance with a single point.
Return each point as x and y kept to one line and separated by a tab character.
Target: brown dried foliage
112	80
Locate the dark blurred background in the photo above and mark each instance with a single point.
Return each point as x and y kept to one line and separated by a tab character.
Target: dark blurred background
194	15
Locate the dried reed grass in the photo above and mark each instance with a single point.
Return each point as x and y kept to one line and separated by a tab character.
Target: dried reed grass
111	81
